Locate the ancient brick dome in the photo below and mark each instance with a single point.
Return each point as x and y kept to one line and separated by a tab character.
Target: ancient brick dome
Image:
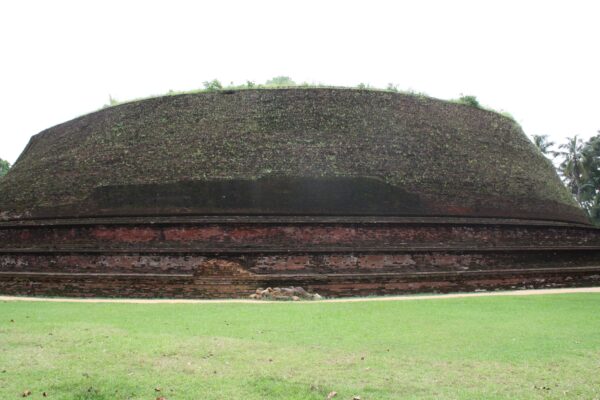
340	191
290	152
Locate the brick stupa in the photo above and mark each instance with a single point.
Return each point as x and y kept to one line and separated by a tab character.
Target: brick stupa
340	191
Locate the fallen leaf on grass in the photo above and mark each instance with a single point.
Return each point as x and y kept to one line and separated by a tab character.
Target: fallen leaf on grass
27	393
331	395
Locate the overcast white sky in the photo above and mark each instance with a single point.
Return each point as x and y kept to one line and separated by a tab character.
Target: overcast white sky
538	60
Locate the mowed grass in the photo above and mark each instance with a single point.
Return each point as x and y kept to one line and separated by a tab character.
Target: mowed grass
488	347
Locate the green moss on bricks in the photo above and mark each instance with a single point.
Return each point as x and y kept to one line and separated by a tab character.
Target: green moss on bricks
456	159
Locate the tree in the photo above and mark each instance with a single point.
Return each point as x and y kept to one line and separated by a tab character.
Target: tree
468	100
4	167
212	86
280	81
573	166
580	170
590	188
392	88
544	145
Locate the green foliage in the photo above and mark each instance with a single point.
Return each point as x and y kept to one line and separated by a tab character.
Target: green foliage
285	81
506	114
212	86
280	81
580	170
469	101
392	88
4	167
544	145
111	102
472	101
413	92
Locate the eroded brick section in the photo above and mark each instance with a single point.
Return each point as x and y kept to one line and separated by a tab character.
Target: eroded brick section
401	263
214	287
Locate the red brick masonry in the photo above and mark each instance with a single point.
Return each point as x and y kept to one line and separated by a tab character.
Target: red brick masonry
217	257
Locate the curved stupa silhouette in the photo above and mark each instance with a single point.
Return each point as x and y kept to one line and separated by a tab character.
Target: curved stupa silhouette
341	191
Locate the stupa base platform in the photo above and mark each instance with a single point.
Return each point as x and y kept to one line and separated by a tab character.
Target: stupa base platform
188	286
228	257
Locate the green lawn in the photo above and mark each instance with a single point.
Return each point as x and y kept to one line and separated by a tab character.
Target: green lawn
487	347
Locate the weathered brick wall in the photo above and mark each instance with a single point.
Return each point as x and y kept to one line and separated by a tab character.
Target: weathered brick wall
130	258
295	236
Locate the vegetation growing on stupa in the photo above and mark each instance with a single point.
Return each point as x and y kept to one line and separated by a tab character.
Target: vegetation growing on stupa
4	167
285	82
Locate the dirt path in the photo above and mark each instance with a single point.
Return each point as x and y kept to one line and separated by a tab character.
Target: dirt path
342	300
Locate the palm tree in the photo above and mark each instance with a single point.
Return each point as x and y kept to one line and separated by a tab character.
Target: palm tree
580	170
544	145
573	167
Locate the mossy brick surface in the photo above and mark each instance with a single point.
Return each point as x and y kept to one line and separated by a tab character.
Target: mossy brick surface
286	151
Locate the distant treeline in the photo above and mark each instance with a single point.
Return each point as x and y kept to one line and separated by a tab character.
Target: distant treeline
579	168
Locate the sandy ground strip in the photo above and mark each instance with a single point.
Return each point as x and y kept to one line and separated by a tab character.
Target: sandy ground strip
338	300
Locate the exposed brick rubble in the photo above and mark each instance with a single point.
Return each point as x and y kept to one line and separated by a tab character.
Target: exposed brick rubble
291	293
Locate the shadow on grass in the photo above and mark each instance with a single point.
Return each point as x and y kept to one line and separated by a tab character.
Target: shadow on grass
94	391
276	388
